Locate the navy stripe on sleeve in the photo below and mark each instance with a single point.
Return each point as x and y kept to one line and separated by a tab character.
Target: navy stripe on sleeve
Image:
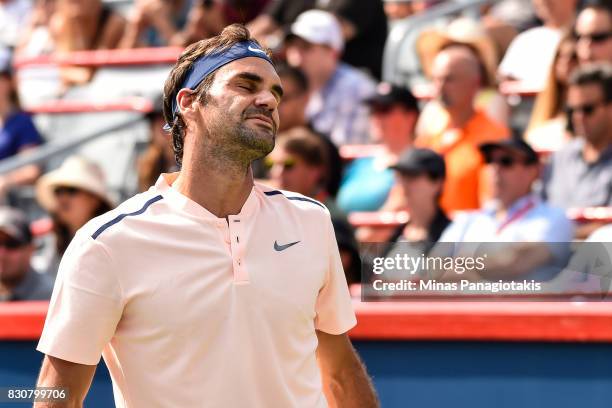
120	217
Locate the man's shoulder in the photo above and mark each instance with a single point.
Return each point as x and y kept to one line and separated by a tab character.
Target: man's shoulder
111	221
347	75
568	151
486	128
290	201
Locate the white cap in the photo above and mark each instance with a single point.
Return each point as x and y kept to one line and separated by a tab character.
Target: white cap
319	27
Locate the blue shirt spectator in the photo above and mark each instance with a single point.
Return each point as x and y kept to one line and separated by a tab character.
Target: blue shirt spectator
18	133
365	186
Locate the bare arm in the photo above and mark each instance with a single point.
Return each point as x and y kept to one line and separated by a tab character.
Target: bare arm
76	378
345	381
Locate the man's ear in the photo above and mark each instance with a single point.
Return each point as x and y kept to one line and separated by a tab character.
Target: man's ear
185	99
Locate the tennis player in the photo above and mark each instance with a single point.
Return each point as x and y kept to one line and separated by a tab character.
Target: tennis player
209	290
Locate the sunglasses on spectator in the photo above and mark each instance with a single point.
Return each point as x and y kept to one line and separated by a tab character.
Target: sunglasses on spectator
504	161
586	109
595	37
70	191
11	243
287	164
380	108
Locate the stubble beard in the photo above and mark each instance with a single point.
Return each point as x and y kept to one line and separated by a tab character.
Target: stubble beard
234	143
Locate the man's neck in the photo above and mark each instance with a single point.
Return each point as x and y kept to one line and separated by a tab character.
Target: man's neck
422	217
222	190
504	206
460	116
318	82
593	150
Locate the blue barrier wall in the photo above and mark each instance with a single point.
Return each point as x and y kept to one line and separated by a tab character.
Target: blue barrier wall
428	374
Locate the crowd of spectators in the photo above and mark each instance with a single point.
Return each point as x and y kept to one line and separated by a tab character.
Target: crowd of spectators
448	150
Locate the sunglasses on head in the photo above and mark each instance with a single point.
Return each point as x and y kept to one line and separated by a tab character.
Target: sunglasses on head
287	164
586	109
595	37
61	190
11	243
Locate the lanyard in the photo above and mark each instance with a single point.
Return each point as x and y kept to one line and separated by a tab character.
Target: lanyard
518	214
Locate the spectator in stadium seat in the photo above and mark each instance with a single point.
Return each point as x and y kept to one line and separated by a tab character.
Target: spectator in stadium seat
580	174
275	20
337	90
292	114
457	79
299	163
515	215
18	133
14	15
18	281
364	29
421	173
472	34
158	157
400	9
537	45
78	25
368	181
73	194
593	30
292	109
155	23
548	128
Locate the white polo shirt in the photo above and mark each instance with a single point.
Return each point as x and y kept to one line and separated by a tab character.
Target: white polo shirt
191	310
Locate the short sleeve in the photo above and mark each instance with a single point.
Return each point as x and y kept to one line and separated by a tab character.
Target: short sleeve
86	304
334	308
27	133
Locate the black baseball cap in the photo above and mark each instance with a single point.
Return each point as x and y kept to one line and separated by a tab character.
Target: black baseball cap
14	223
418	161
511	144
388	94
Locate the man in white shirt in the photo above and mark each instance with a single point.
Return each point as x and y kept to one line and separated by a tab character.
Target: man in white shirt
516	216
209	290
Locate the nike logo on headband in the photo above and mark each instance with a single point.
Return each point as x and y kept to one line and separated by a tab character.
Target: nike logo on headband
250	48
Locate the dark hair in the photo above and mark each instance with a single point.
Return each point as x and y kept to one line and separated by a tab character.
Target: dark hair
295	74
604	5
302	143
596	73
230	35
62	233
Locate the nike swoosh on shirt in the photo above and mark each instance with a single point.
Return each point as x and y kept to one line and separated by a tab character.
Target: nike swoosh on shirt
283	247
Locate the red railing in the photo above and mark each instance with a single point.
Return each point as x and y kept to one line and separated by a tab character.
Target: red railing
393	219
501	321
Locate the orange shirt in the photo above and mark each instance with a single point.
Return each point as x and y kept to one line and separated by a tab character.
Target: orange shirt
465	187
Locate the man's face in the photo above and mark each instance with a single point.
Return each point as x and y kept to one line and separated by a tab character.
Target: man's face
554	10
389	120
594	32
240	113
14	258
313	59
396	10
289	172
293	106
511	175
589	113
455	77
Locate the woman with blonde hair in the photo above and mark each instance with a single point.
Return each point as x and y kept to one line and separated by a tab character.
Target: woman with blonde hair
548	127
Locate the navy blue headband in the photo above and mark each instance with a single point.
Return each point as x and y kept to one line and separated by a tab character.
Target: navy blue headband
207	64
